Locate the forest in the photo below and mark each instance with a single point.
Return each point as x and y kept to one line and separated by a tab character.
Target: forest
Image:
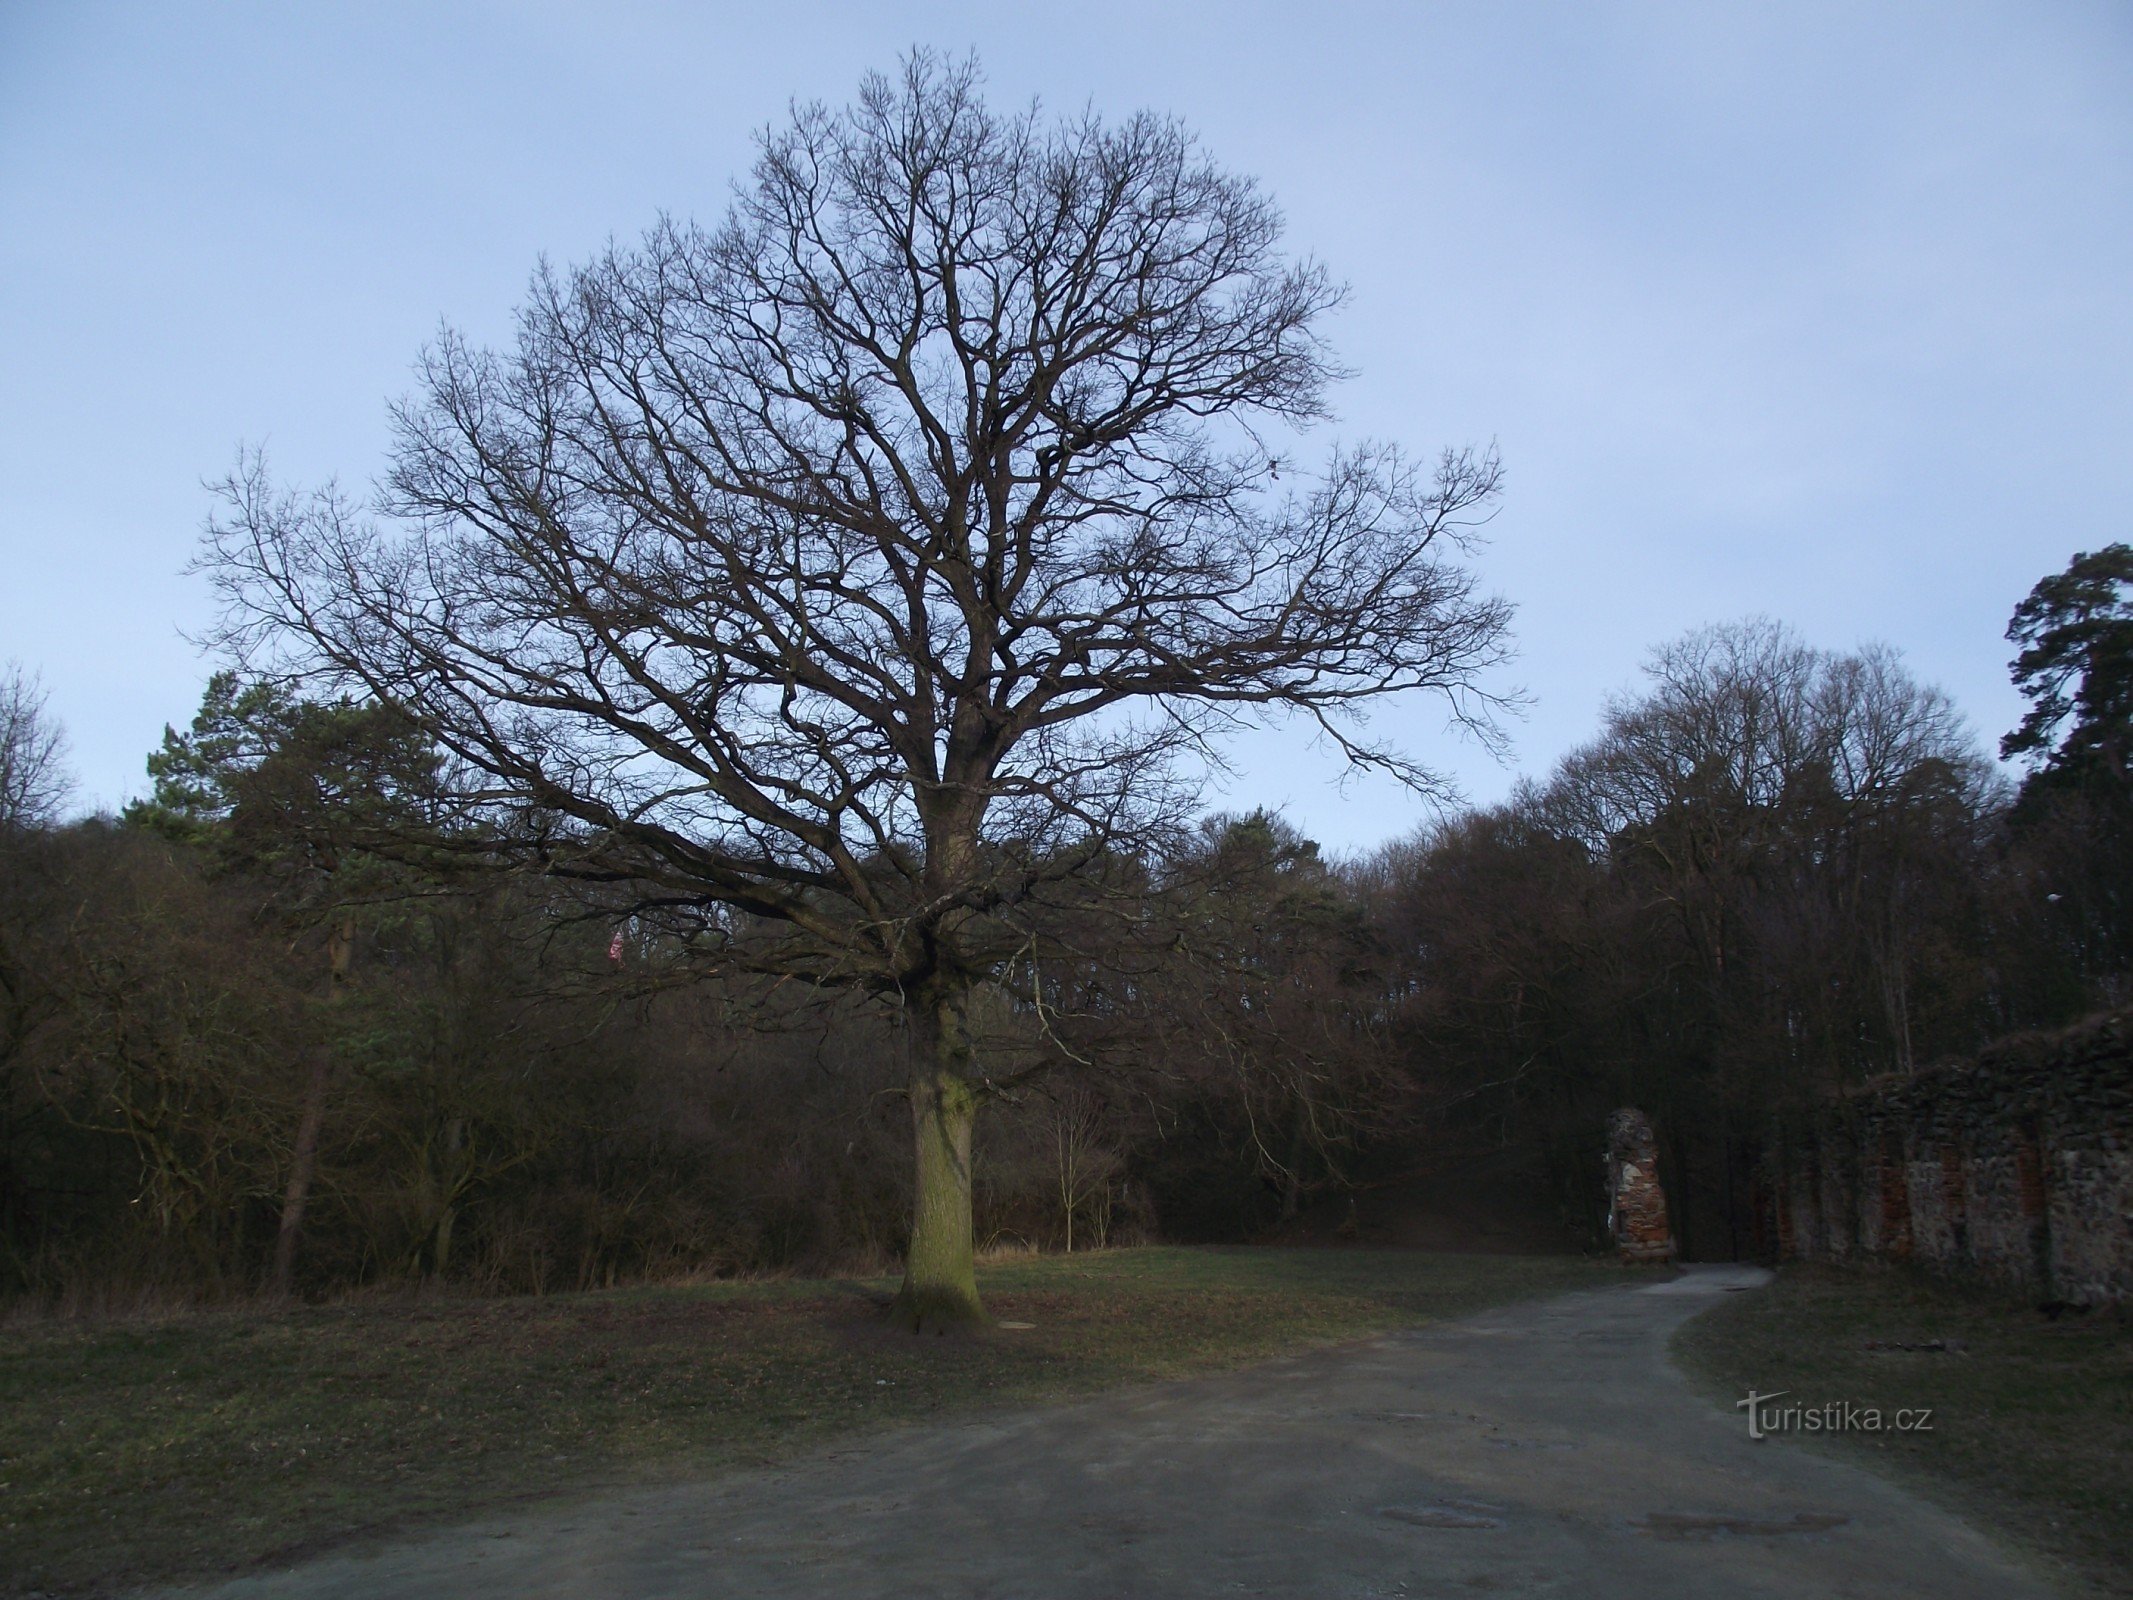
297	1024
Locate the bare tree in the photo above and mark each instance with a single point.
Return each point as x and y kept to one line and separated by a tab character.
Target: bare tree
33	751
1086	1161
854	574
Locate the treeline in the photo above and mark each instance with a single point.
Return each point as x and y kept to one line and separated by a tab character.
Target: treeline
244	1048
287	1026
1776	872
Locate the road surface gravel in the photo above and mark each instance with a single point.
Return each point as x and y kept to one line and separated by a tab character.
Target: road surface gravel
1540	1449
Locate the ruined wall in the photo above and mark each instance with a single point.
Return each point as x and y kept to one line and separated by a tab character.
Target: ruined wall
1636	1212
2016	1167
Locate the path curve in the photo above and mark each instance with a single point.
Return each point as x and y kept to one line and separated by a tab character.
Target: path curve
1541	1449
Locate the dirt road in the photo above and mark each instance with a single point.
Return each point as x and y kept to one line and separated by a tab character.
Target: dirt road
1544	1449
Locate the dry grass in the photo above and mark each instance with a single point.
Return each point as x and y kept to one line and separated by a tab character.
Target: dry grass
169	1446
2033	1418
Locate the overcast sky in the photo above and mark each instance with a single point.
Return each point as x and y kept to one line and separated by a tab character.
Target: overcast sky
1819	312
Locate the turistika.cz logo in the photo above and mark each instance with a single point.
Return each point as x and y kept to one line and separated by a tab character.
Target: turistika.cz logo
1765	1417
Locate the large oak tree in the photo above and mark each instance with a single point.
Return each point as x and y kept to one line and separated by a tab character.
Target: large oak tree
857	574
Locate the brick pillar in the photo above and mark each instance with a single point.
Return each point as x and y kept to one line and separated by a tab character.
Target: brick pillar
1892	1179
1814	1241
2035	1205
1636	1205
1788	1233
1955	1199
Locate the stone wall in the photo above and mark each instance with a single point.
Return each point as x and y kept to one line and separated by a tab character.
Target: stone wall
2016	1167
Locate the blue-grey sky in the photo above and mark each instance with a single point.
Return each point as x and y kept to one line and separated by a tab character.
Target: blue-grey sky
1819	311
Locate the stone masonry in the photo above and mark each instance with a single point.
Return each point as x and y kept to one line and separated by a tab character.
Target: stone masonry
1636	1211
2015	1167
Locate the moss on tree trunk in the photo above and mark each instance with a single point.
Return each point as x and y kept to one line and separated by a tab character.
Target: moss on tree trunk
940	1287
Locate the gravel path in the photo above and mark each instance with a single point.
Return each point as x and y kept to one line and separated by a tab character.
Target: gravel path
1543	1449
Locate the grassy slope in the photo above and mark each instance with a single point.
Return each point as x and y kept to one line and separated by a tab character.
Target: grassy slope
155	1449
2033	1420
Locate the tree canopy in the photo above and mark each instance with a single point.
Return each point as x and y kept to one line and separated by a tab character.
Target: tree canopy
274	778
33	751
874	561
2076	667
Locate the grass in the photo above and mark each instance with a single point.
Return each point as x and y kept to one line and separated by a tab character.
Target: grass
2032	1418
147	1450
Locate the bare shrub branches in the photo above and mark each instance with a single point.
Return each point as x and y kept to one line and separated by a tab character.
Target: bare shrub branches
33	776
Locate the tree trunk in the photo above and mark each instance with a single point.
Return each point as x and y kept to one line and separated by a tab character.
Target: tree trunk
940	1287
441	1244
1292	1172
450	1187
303	1160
